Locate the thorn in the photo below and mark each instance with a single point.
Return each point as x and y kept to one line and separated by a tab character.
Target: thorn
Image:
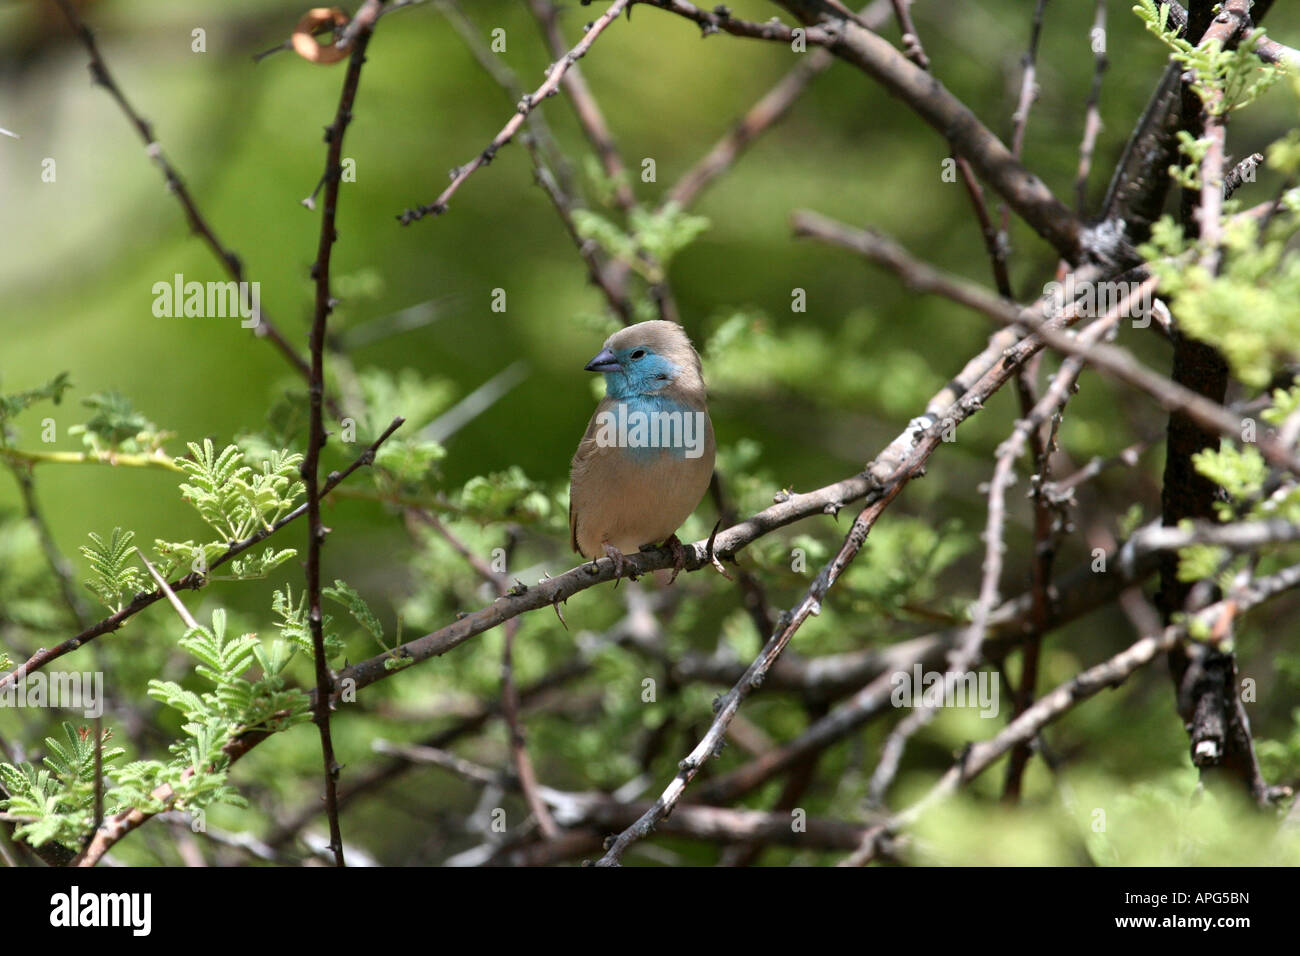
717	566
713	535
713	558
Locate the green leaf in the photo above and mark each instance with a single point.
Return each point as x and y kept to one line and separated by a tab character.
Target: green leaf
114	576
343	593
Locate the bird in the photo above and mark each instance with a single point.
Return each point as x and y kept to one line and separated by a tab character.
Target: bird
647	457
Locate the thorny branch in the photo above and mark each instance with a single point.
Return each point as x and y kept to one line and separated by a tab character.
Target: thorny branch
359	40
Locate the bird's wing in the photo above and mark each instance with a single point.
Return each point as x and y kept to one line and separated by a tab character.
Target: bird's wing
573	526
578	467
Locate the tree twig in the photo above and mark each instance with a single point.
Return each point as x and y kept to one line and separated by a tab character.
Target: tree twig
358	38
526	105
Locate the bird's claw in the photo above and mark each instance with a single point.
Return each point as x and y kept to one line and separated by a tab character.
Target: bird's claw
674	544
620	564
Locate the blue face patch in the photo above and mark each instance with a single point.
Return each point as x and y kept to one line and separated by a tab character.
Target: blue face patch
644	372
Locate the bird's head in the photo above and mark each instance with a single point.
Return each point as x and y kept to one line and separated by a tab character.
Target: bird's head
647	358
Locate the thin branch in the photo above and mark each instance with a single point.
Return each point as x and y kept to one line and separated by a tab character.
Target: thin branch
181	610
1092	113
526	105
62	570
551	175
910	39
603	277
995	242
155	459
504	76
357	38
553	181
593	123
1028	83
1041	439
720	20
1238	536
1062	488
764	114
1024	103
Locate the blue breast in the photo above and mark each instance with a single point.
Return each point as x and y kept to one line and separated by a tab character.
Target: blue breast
648	426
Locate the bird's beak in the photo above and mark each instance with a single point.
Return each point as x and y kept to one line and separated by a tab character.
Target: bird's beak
604	362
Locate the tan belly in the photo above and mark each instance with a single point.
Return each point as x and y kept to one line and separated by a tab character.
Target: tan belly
629	504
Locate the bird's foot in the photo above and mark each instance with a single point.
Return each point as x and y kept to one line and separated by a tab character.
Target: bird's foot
620	564
674	544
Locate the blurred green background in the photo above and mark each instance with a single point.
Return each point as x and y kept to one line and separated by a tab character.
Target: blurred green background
817	393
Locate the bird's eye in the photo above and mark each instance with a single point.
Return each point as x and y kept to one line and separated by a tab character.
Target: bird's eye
639	354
